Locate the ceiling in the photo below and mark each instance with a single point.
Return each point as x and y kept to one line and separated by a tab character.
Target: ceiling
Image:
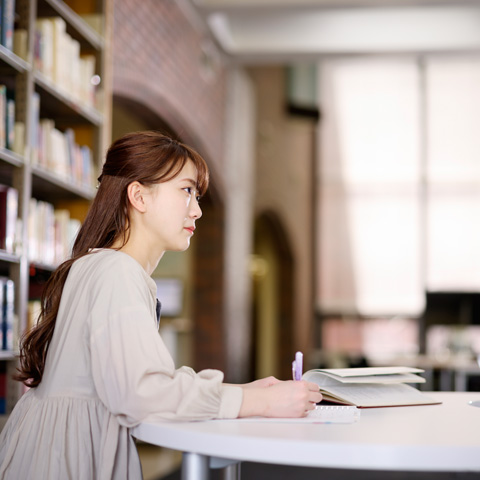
273	31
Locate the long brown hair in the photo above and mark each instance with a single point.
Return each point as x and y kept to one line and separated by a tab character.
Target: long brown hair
148	157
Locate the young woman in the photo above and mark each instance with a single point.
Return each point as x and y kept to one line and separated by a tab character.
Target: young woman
95	362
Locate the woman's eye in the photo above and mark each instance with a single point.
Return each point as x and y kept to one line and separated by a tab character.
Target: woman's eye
191	191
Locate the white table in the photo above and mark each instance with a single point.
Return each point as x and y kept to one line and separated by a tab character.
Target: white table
433	438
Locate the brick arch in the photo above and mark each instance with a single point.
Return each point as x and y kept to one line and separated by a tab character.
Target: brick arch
158	111
208	244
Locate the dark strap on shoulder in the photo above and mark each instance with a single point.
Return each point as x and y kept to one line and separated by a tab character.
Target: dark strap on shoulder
159	310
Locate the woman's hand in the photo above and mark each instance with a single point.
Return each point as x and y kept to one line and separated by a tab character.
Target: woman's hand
262	383
279	399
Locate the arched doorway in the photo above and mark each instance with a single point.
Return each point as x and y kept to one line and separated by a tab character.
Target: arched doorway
194	335
272	273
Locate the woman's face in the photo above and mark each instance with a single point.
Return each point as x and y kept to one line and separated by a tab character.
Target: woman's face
173	210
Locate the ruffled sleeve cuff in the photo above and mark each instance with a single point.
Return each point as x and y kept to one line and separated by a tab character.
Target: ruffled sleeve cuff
231	401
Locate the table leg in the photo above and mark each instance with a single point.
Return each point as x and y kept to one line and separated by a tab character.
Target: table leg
195	466
232	472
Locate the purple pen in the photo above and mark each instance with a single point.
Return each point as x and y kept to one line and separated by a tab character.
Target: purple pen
297	366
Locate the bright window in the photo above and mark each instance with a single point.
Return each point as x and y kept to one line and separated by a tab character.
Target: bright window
399	183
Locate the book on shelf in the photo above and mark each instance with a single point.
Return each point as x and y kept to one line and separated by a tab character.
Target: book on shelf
51	233
86	90
41	232
66	229
59	47
3	388
59	58
58	152
7	118
18	146
370	386
8	218
34	309
8	313
34	130
20	43
10	121
3	116
95	21
7	23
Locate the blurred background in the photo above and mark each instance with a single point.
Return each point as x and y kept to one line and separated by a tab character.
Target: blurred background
343	140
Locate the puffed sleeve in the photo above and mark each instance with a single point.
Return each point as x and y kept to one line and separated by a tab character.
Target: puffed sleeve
133	372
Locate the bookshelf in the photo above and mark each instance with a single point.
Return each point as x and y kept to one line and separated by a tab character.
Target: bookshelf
54	128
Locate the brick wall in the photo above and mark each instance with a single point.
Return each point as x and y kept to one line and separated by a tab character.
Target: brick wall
158	60
209	349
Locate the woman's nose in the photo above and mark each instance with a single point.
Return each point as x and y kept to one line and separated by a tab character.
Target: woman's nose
196	211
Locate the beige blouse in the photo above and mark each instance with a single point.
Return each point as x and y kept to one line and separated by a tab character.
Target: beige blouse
107	370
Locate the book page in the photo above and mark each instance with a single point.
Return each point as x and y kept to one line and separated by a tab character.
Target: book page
376	395
364	375
364	371
394	378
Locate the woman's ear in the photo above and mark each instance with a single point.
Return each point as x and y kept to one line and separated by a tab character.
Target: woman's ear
136	196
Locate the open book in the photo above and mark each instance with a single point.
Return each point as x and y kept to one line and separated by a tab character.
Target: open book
370	386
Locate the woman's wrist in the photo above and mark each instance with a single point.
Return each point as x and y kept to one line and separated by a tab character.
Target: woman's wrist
254	402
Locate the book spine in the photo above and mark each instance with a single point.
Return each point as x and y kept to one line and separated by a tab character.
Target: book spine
8	314
3	116
20	43
58	56
19	138
33	312
35	119
3	388
3	216
32	230
8	20
10	123
73	228
51	233
69	136
87	71
11	219
8	217
88	176
59	51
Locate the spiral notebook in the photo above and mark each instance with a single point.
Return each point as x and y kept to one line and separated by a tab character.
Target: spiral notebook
322	414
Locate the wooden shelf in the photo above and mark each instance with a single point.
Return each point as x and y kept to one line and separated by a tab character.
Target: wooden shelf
12	63
8	257
48	185
59	103
11	158
7	355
